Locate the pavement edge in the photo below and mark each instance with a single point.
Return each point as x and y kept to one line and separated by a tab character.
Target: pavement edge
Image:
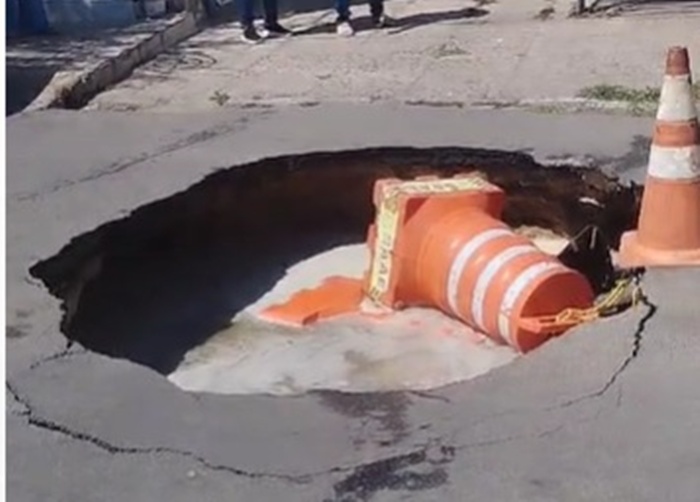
73	89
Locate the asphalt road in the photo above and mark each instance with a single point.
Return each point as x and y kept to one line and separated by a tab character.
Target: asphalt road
608	412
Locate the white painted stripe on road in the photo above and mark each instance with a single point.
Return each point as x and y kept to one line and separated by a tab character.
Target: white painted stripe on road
516	289
676	102
488	273
463	256
674	163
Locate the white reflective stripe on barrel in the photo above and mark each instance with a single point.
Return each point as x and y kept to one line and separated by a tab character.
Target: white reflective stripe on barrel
516	289
488	273
463	256
676	102
674	163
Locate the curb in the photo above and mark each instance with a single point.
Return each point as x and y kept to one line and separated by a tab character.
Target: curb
573	105
74	89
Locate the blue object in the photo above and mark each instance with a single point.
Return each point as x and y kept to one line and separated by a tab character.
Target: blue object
32	17
12	25
213	8
76	16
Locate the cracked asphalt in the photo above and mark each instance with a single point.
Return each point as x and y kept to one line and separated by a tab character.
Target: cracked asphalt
608	412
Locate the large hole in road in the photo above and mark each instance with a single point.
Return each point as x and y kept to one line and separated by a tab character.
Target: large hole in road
169	285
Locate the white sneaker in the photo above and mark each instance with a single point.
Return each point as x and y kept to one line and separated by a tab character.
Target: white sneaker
344	29
380	22
250	35
275	30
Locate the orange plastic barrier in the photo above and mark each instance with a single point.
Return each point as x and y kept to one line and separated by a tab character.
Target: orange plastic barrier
335	296
439	243
668	231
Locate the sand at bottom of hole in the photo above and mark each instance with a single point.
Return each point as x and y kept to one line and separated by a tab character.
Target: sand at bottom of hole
415	349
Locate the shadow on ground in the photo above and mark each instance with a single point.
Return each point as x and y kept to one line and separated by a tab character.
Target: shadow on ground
225	10
402	24
31	62
227	14
642	7
194	54
24	81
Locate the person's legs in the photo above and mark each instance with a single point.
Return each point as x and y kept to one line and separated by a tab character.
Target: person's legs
376	9
246	14
342	7
272	26
270	8
343	26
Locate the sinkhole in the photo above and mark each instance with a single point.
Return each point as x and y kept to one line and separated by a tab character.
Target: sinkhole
176	284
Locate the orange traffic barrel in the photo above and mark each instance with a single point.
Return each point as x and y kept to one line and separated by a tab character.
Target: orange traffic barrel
668	231
446	248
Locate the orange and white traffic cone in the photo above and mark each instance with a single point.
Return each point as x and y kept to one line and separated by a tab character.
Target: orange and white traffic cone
668	232
441	244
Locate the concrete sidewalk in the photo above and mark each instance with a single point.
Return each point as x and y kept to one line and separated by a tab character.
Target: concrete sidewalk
442	52
67	71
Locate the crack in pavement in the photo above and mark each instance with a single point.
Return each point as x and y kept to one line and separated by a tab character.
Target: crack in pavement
42	423
69	351
364	479
638	335
34	420
400	472
15	396
549	432
395	472
430	396
119	166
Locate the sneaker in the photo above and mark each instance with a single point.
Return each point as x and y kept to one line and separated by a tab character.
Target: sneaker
274	30
250	35
380	21
344	29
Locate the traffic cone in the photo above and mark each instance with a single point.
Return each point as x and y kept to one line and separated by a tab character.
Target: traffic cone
668	230
441	244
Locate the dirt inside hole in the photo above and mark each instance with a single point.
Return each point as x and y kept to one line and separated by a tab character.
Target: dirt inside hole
160	286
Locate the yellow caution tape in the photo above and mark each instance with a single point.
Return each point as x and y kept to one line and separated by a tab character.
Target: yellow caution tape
387	226
615	299
387	222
